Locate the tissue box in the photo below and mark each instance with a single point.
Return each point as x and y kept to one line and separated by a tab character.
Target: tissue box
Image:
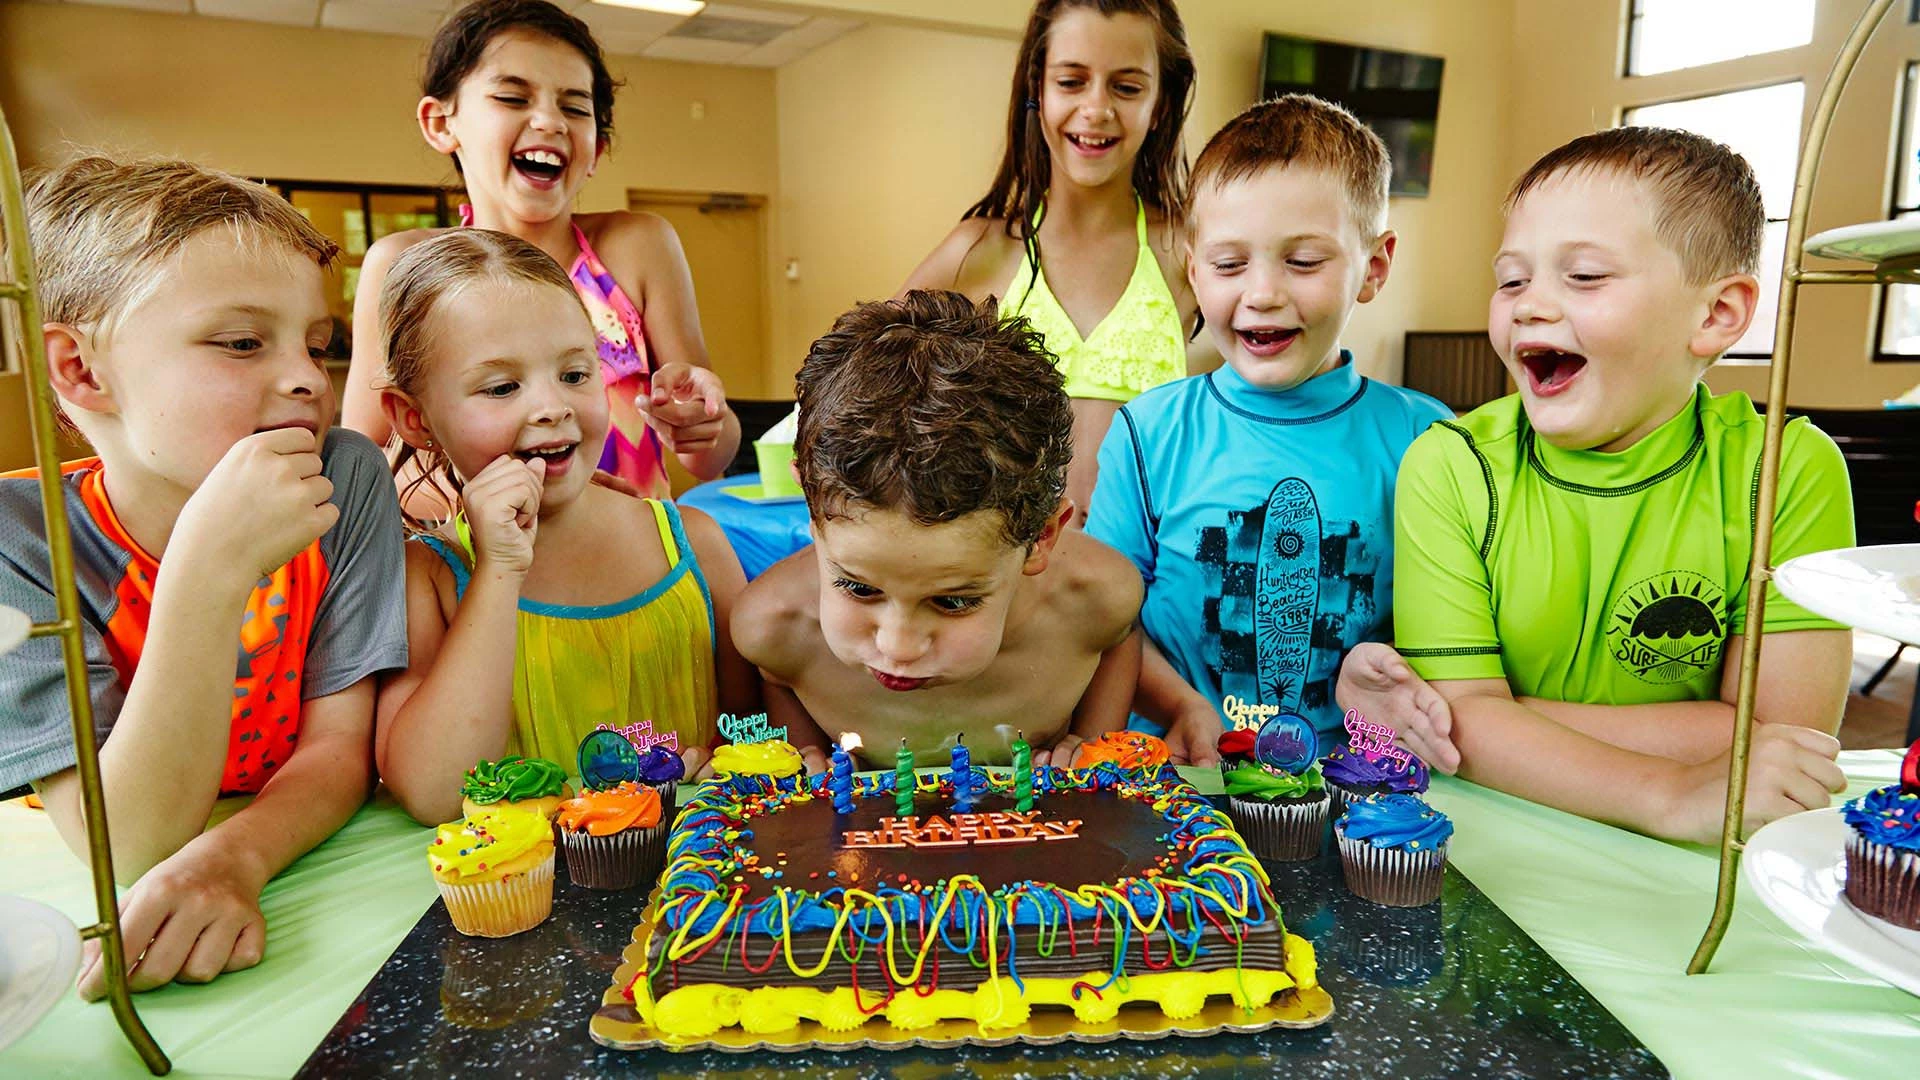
776	467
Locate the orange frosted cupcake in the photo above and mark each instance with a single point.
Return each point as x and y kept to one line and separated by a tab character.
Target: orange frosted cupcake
495	871
615	838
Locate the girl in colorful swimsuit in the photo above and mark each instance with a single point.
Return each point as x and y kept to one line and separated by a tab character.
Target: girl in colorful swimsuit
1080	232
517	93
523	632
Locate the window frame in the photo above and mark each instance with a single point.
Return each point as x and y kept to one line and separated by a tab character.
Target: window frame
1739	359
1903	150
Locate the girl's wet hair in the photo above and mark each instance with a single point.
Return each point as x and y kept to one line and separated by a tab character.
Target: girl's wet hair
462	40
1160	170
424	278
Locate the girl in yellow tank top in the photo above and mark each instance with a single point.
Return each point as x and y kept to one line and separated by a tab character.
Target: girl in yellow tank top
1092	166
550	605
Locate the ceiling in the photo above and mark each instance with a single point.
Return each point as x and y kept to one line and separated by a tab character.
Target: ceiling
721	34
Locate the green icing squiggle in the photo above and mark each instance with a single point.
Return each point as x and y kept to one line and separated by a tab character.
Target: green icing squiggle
1249	779
513	778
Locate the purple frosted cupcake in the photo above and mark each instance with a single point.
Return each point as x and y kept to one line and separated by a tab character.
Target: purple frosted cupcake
1883	855
1393	849
662	770
1352	774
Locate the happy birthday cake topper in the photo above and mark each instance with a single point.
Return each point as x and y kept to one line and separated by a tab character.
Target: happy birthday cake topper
1287	744
642	735
1374	740
1247	715
1910	771
751	729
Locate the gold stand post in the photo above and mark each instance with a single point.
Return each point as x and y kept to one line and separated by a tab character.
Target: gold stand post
18	287
1791	278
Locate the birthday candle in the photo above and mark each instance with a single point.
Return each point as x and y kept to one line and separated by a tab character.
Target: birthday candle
1022	773
840	781
960	772
903	781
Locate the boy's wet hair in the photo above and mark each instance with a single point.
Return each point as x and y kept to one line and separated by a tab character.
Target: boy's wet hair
933	407
460	43
1303	131
100	230
1707	204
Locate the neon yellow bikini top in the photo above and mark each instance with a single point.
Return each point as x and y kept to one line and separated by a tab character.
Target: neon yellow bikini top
649	657
1137	346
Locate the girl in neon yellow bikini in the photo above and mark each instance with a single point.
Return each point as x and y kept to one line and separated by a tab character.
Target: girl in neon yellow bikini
516	91
1080	233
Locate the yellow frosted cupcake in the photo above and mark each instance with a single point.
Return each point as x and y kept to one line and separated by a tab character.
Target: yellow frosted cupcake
495	871
534	784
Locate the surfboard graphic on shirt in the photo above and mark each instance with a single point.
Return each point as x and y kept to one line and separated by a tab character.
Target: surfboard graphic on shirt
1287	592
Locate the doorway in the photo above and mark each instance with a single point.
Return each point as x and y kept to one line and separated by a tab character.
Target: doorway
725	238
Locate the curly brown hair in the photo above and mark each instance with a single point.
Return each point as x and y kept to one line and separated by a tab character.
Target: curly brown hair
932	406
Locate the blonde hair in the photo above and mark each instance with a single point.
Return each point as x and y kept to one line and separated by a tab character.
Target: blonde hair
101	229
1303	130
425	277
1707	205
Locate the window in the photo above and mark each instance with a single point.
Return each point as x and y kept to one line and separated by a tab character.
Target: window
1764	126
1667	35
1900	304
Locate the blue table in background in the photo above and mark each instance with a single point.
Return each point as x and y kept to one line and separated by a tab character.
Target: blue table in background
762	533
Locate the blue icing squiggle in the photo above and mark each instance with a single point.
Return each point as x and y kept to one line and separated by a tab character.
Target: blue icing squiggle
1396	821
1887	816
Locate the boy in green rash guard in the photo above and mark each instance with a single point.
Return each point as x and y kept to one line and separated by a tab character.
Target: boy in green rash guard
1571	562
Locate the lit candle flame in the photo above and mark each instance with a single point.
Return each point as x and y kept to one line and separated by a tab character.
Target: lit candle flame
850	741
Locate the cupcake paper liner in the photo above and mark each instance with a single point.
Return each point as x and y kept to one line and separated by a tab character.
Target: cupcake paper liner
1391	876
503	907
619	861
667	792
1883	882
1280	831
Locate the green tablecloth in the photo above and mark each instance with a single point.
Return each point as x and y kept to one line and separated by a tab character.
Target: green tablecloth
1621	912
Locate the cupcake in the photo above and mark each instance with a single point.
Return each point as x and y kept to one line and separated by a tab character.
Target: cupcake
495	871
775	759
1352	774
532	784
1281	814
1883	855
615	838
1130	750
1393	849
661	769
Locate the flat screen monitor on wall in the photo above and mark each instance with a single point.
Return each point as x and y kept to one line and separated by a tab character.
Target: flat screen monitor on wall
1397	94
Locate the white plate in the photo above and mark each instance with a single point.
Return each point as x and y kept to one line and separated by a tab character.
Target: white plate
1872	588
1896	242
39	955
14	625
1797	864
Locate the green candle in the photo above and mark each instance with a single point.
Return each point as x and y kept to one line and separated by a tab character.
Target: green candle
1022	773
903	781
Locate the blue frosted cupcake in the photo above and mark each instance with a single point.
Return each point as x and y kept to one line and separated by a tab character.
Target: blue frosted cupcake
1393	849
1883	855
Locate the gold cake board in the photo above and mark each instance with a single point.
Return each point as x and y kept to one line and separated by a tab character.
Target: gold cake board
617	1024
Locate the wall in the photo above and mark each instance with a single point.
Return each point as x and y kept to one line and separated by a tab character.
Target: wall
1574	49
913	119
286	102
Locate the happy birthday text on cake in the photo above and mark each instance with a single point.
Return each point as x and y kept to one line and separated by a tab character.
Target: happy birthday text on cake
962	830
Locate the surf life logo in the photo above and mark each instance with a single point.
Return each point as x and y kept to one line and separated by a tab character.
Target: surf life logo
1667	628
751	729
1373	740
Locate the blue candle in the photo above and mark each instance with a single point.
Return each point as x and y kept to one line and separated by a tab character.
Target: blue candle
960	774
840	781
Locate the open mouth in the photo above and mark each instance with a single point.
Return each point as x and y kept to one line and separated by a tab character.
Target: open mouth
1550	371
542	166
552	455
1093	144
1267	341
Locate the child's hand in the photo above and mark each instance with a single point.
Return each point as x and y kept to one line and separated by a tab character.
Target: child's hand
814	758
503	509
189	919
687	408
1789	769
1194	738
271	481
1378	684
697	760
1061	754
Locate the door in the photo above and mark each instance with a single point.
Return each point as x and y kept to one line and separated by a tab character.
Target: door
724	236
